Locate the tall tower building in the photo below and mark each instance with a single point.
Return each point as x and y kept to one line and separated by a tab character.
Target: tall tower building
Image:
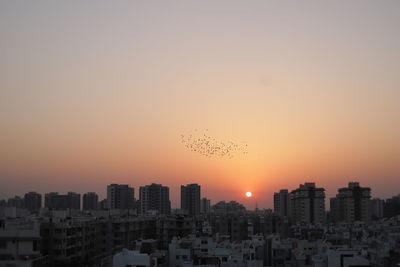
281	202
120	196
190	199
352	203
90	201
334	212
307	204
50	199
154	197
205	206
377	205
33	201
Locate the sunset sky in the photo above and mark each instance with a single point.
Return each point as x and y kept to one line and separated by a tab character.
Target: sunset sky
99	92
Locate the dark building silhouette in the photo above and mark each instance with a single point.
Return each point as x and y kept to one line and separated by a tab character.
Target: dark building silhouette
90	201
16	202
154	197
71	200
33	201
281	202
205	206
391	207
377	206
231	208
103	204
307	204
190	199
351	204
120	196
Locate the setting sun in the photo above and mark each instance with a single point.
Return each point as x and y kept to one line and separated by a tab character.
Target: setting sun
249	194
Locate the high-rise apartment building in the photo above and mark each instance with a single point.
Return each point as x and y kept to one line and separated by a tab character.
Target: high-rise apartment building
190	199
120	196
69	201
33	201
16	202
377	206
307	204
334	210
281	202
205	206
75	200
90	201
154	197
351	204
50	199
391	207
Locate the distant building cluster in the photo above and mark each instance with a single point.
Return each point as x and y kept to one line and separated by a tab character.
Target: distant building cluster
124	231
306	204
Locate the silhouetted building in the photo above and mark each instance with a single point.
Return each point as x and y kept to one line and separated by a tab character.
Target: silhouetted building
90	201
377	206
281	202
205	206
33	201
307	204
154	197
56	201
190	199
351	204
75	200
103	205
334	211
120	196
232	207
392	207
16	202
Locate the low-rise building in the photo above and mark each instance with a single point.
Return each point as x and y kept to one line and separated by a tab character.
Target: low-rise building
20	243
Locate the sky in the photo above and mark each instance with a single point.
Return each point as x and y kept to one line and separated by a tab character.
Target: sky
99	92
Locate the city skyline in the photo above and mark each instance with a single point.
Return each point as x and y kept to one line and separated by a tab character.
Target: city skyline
92	95
250	204
358	231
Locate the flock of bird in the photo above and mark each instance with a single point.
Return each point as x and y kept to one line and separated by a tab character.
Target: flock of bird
204	144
